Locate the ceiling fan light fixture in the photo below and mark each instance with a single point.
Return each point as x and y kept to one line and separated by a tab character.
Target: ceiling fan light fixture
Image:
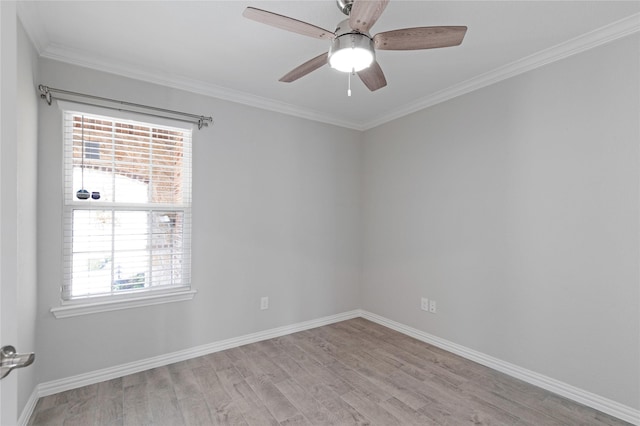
351	52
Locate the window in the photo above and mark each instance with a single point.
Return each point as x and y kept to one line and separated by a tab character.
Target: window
131	237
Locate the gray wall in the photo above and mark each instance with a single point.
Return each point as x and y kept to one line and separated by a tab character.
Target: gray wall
8	196
276	211
27	208
515	207
18	164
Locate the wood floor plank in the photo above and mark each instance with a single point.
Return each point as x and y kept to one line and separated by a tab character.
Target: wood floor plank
219	360
229	377
404	413
50	416
195	411
47	402
371	410
297	420
212	389
185	383
270	348
315	412
260	416
252	350
247	395
238	389
244	367
201	361
165	409
392	388
279	406
261	365
235	354
109	410
353	372
359	382
336	383
133	379
323	354
158	379
315	388
604	419
81	419
346	414
565	410
136	411
110	388
289	365
227	413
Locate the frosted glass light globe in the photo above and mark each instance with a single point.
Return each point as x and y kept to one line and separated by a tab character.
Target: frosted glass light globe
351	52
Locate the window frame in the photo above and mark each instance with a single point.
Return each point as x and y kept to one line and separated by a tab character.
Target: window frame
130	299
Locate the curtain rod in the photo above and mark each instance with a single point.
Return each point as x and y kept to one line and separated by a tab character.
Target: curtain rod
46	93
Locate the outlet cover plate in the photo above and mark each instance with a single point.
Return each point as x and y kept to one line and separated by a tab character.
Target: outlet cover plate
424	304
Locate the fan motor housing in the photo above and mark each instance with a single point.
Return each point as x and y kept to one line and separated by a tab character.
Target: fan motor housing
359	47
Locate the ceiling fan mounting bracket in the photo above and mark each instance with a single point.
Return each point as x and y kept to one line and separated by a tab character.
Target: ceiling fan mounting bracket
345	6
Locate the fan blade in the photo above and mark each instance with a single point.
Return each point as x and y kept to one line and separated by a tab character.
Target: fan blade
365	13
306	68
373	77
419	38
286	23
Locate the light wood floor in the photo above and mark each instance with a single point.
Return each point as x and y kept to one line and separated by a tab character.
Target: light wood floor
353	372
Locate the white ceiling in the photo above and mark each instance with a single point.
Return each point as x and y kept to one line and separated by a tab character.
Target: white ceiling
209	48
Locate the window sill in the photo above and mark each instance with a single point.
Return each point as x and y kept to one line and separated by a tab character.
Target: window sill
75	310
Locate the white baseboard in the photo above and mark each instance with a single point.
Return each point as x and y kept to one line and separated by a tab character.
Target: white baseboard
28	408
73	382
581	396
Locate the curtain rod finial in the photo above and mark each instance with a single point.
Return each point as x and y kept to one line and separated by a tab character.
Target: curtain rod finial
45	93
204	122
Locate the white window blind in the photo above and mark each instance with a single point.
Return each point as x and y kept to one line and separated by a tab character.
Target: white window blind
136	237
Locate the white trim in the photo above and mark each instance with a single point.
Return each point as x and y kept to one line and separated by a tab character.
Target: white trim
600	36
581	396
61	385
616	30
27	411
66	311
88	60
606	34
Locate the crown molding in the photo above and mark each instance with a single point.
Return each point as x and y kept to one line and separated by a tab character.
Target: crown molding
595	38
34	27
86	60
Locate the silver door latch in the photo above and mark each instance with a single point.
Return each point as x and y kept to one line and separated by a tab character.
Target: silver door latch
9	360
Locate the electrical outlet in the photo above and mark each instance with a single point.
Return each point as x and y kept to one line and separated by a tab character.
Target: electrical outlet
433	307
264	303
424	304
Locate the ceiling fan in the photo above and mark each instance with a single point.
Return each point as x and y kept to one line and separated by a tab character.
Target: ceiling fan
352	47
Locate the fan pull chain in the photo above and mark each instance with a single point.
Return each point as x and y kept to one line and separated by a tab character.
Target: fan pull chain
349	87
